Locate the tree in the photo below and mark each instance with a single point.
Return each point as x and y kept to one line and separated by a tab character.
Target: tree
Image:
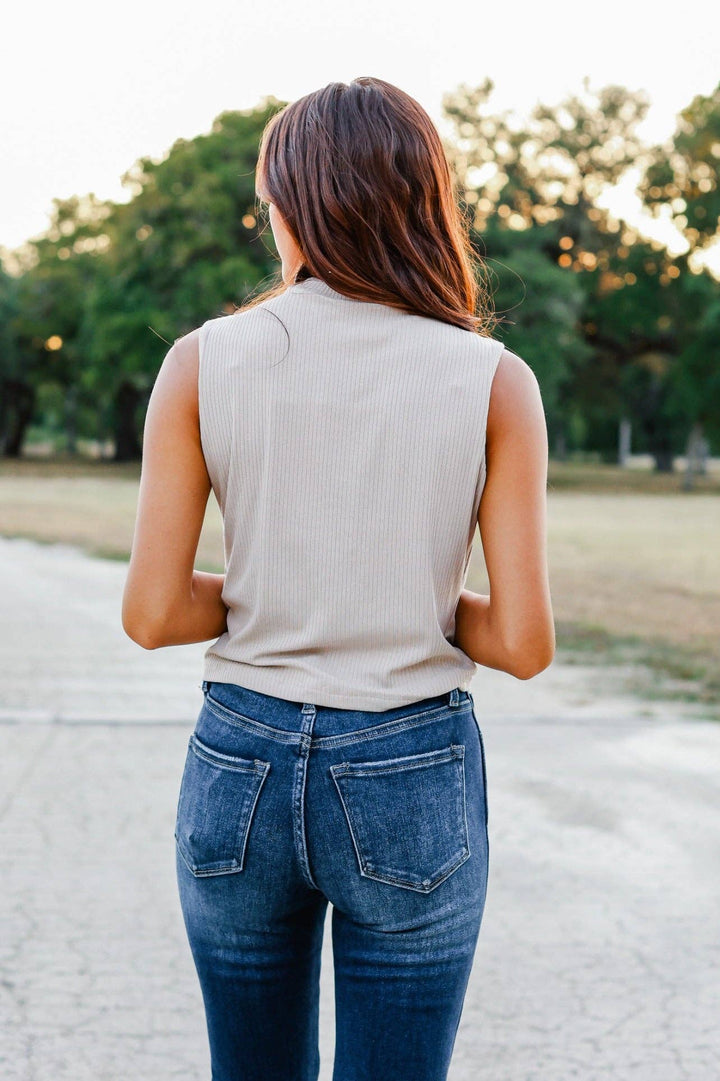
17	395
680	181
540	181
185	248
539	307
57	269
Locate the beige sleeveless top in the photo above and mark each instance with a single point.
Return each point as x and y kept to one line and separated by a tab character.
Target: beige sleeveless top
345	442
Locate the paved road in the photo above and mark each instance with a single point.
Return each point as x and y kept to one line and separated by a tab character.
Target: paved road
599	955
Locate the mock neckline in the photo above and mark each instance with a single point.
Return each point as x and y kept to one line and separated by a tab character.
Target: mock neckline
319	285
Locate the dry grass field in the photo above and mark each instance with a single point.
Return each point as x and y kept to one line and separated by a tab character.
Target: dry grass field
634	560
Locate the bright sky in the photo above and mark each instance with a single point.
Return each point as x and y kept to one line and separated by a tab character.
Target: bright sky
79	102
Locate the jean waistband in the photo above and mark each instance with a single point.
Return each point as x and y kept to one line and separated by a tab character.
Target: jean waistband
285	714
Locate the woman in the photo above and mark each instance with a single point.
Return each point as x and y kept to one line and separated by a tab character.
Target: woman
355	423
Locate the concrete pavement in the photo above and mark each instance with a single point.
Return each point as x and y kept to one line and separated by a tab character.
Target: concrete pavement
598	957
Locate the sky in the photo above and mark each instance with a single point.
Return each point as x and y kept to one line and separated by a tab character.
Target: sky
85	90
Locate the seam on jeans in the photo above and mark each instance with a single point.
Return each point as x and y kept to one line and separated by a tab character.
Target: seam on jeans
484	768
358	857
299	823
372	732
389	728
298	796
464	808
251	815
258	727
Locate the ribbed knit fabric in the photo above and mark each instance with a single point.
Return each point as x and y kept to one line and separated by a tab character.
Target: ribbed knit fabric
345	442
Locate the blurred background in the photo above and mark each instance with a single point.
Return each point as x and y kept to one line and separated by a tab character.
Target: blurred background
585	142
586	156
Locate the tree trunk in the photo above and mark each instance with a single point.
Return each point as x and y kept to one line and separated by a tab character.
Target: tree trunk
17	404
660	446
71	397
127	442
663	460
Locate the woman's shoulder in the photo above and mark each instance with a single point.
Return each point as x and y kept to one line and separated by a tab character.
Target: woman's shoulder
238	325
513	373
515	398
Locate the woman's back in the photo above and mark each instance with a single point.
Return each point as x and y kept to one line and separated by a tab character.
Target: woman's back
345	441
346	424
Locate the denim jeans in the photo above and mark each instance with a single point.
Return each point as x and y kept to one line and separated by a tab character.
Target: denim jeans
285	806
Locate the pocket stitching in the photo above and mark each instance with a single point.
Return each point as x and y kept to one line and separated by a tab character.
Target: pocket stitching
227	761
230	717
366	868
397	765
260	770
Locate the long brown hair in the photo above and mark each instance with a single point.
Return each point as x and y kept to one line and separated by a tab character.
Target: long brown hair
361	178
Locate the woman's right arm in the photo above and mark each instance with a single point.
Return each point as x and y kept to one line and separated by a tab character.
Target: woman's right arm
512	628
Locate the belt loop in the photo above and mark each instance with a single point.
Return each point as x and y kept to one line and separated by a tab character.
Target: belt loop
455	697
308	707
205	686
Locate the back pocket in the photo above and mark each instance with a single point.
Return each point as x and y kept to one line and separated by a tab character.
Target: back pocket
407	816
217	798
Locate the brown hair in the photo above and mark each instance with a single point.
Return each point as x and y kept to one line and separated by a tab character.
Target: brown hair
359	174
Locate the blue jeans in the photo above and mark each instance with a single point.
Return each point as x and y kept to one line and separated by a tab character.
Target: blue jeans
285	806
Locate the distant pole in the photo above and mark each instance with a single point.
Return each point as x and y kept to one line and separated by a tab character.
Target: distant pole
697	450
624	436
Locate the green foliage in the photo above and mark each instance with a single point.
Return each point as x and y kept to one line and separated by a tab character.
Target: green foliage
10	363
117	283
695	379
612	326
538	306
618	339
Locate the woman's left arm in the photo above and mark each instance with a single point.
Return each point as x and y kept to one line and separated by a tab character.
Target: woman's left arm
166	602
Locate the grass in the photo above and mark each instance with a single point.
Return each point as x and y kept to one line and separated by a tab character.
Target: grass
574	476
661	669
634	560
